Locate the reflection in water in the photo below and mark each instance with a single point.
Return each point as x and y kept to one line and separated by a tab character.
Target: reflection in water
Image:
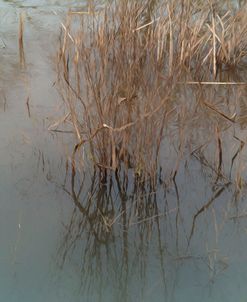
114	226
131	240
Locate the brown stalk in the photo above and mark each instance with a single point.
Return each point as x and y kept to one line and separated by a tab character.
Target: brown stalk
20	39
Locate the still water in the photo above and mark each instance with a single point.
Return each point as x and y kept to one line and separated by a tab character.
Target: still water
70	238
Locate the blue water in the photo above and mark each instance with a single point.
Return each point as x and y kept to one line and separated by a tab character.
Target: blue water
135	247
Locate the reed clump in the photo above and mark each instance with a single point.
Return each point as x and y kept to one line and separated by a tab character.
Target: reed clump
124	72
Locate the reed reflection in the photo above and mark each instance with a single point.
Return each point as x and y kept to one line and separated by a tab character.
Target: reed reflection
123	230
115	225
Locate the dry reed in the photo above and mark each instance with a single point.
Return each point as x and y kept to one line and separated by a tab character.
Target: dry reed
125	73
20	39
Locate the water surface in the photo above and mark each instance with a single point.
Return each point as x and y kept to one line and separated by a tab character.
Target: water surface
66	238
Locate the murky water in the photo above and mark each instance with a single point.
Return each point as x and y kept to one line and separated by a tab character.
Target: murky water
70	238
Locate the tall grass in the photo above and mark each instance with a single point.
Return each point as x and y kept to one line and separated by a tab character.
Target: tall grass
132	71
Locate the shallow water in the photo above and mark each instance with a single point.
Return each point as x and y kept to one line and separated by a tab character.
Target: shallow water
101	243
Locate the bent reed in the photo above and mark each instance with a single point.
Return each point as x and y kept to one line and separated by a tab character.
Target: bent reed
140	77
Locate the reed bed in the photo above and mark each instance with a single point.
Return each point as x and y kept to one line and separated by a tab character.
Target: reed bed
139	77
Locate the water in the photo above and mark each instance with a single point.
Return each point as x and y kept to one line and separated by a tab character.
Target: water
100	243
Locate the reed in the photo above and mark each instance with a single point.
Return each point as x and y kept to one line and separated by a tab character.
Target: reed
124	72
20	39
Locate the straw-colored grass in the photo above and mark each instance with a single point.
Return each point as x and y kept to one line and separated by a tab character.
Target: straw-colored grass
132	72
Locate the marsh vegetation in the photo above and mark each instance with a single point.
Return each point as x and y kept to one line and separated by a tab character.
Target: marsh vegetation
139	78
155	92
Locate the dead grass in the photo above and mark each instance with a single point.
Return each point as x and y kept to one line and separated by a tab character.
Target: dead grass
133	72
